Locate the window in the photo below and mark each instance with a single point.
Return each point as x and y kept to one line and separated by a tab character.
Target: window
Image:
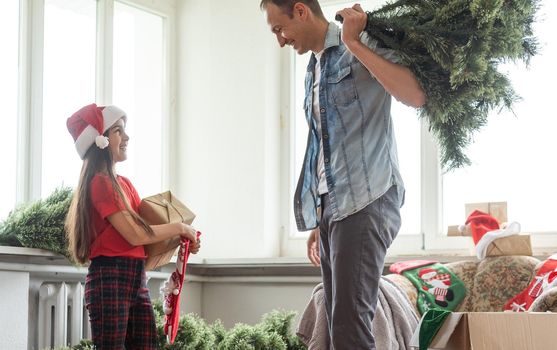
68	84
512	155
74	53
138	81
9	33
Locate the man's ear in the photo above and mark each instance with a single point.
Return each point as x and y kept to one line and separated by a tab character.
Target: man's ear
300	10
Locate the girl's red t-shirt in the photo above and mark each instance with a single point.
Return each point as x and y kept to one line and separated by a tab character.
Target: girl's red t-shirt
107	241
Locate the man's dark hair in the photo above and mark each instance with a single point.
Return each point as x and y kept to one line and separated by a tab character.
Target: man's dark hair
287	6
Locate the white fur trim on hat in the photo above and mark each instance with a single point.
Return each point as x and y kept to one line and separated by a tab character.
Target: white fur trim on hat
88	137
512	228
111	114
85	140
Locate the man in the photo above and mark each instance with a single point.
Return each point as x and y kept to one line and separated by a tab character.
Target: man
350	176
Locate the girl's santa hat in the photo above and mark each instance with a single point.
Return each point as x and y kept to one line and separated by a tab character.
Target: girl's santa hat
88	125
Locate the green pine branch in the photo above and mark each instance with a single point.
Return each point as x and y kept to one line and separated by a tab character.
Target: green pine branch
454	48
274	332
39	224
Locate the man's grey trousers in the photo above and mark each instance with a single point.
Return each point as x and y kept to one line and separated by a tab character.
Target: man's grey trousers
352	255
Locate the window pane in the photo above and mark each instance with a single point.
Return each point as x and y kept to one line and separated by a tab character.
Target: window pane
69	84
138	89
513	156
407	131
9	30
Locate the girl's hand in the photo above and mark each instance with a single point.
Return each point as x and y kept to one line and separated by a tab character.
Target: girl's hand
195	245
190	233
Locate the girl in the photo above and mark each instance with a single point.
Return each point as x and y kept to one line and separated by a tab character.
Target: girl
104	228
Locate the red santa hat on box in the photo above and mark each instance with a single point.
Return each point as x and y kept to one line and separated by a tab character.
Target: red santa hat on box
485	229
88	125
480	223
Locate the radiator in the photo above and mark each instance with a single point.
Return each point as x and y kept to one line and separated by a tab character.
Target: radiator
62	318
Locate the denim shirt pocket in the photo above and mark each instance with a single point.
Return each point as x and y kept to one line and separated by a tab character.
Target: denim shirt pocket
342	86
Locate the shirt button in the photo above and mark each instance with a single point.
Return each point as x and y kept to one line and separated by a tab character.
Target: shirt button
326	136
326	160
322	110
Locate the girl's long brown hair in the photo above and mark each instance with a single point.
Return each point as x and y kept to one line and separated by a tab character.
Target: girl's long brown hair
79	225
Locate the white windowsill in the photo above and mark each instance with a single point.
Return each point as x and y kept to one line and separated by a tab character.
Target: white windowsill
46	262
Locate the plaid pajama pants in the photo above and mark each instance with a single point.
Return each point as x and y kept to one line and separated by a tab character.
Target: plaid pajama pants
119	305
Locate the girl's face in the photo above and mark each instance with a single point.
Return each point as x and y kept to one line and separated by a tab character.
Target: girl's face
118	141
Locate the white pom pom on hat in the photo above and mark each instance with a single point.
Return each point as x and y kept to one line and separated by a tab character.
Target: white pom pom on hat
88	125
101	141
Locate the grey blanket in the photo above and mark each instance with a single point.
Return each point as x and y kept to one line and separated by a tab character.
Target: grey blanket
392	327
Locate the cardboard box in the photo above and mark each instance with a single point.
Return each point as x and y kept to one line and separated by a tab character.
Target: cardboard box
510	245
496	209
163	208
494	331
452	231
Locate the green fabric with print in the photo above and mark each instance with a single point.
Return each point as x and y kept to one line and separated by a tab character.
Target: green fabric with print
438	288
431	323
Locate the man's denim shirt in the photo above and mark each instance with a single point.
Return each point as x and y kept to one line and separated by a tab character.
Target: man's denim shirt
359	148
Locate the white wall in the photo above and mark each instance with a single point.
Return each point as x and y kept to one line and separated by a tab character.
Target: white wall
14	295
247	302
245	299
227	107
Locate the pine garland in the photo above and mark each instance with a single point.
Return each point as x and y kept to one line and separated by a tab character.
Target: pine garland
454	48
273	332
40	224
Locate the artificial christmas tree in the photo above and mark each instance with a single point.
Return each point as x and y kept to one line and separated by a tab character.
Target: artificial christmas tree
454	48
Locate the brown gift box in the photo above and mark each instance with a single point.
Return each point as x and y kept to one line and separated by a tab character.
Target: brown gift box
510	245
163	208
493	330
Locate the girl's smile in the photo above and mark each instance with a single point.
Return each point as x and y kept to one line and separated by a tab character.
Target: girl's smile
118	141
